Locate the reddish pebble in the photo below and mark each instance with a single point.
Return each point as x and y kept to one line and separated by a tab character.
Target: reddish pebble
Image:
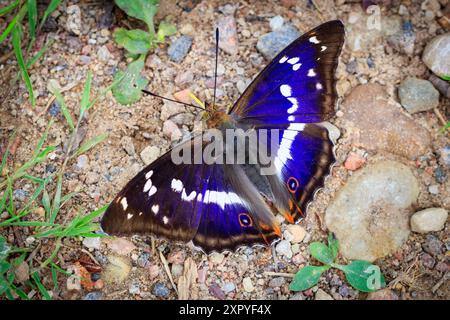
86	50
183	96
176	257
354	161
99	284
288	3
201	275
153	271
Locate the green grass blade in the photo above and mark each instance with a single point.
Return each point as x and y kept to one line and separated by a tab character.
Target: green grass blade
90	144
9	8
54	276
41	288
46	204
64	109
39	54
16	41
32	17
86	94
5	156
42	140
56	200
51	7
105	91
32	224
13	23
60	270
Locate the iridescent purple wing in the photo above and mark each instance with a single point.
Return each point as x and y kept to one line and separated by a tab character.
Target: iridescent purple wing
163	199
301	157
298	85
294	91
197	202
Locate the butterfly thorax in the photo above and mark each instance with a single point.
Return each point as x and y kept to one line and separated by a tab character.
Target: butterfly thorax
219	119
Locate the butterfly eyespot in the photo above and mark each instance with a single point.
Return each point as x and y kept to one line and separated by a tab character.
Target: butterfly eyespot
245	220
292	184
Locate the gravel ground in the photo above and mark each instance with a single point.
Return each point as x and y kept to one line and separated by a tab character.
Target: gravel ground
132	268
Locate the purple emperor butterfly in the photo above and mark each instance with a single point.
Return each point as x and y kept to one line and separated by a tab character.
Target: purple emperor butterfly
224	206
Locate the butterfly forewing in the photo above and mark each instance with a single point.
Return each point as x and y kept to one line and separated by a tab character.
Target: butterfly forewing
298	85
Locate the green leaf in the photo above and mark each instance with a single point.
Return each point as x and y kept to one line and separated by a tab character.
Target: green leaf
65	111
4	266
32	17
51	7
333	245
165	29
84	105
128	90
56	200
445	77
39	54
307	277
90	144
40	286
134	41
11	26
16	41
4	248
321	252
9	8
363	275
143	10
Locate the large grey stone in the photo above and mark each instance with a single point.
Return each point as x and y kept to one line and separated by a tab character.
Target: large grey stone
437	55
370	213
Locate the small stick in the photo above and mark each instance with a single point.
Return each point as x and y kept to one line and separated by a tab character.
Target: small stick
166	267
279	274
440	117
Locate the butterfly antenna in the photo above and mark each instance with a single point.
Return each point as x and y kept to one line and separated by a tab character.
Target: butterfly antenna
173	100
215	67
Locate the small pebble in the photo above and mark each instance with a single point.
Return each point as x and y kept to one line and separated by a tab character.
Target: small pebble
270	44
228	287
383	294
284	248
82	162
354	161
417	95
54	109
322	295
160	290
95	295
216	291
216	258
276	23
228	34
295	233
436	54
134	288
121	246
433	245
179	48
431	219
428	261
277	282
150	154
143	260
92	243
433	189
248	284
